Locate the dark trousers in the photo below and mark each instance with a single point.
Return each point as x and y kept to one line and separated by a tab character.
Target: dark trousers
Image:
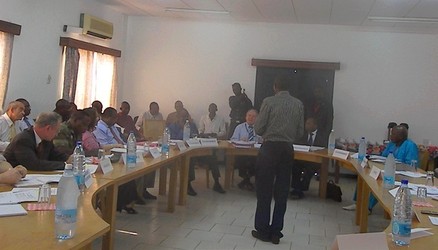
204	160
273	171
127	193
302	173
246	165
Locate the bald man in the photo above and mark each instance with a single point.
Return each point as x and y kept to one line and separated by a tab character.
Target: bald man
10	123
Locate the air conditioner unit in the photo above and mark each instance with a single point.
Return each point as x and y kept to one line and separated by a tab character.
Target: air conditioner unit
95	26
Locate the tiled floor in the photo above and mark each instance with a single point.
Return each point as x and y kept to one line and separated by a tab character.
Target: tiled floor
224	221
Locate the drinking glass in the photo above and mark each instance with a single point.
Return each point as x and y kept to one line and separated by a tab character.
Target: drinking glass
421	194
44	193
430	179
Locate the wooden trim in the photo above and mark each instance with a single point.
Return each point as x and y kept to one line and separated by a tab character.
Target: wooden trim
12	28
295	64
70	42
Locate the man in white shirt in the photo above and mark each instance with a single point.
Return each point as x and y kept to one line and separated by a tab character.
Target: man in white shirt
212	125
9	123
152	114
25	122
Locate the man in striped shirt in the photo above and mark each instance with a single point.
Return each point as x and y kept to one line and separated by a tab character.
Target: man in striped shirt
280	123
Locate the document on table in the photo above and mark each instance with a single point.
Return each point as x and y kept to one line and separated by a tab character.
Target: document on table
38	179
410	174
433	220
12	210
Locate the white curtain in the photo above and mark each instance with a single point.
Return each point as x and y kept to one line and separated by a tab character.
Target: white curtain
6	41
96	79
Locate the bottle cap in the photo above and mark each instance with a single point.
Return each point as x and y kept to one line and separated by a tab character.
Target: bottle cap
405	182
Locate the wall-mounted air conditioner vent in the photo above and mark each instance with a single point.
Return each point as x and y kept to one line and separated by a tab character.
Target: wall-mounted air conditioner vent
95	26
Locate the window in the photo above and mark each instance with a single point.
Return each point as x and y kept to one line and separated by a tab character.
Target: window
7	32
89	73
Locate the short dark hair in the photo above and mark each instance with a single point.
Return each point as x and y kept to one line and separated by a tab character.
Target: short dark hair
404	125
236	84
109	112
281	82
153	103
79	115
62	103
127	103
92	113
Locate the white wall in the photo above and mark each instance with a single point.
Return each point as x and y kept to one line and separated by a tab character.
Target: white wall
36	53
384	76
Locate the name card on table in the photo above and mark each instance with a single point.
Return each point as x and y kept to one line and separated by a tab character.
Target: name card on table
105	165
364	162
181	145
139	157
155	152
301	148
341	154
209	142
193	143
88	179
375	172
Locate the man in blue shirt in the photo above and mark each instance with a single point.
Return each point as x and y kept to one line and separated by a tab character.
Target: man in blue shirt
403	149
105	132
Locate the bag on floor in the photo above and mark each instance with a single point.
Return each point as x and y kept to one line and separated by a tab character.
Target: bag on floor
334	191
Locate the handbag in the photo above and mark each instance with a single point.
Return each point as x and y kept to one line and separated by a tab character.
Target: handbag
333	191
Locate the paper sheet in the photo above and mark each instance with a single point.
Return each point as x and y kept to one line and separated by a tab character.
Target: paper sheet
12	210
411	174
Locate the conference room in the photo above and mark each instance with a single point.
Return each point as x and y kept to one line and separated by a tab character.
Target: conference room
384	71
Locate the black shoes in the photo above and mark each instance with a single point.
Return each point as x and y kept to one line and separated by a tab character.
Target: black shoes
190	190
148	196
246	184
296	194
128	210
275	239
218	188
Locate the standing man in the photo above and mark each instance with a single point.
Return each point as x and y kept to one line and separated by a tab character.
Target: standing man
9	123
26	122
280	123
239	104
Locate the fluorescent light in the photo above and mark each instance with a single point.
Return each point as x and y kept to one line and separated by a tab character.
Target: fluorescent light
402	19
198	11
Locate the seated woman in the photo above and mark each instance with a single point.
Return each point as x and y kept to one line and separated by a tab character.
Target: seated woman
404	150
127	194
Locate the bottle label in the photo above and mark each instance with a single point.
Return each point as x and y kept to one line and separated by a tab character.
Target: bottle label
131	159
388	180
402	229
65	216
164	148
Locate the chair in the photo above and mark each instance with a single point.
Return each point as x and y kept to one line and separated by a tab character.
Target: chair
423	157
153	129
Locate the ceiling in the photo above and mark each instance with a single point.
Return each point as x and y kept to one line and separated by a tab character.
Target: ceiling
326	12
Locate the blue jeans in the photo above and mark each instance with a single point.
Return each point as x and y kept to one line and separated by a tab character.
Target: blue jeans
372	201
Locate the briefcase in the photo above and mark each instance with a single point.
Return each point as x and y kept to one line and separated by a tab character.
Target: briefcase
333	191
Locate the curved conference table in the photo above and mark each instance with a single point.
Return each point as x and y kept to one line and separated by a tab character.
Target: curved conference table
37	228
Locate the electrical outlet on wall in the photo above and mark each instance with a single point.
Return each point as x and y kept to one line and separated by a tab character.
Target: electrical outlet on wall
49	79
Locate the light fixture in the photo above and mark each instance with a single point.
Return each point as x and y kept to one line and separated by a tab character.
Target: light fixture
402	19
202	11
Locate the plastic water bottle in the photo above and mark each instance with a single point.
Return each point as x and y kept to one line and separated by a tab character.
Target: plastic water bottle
131	154
186	131
66	206
331	142
79	166
402	216
362	149
389	175
165	142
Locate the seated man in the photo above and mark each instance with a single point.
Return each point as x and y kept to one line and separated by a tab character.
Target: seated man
212	125
62	107
25	122
152	114
9	175
33	148
403	149
71	132
125	121
10	123
105	132
303	171
246	164
173	117
176	133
